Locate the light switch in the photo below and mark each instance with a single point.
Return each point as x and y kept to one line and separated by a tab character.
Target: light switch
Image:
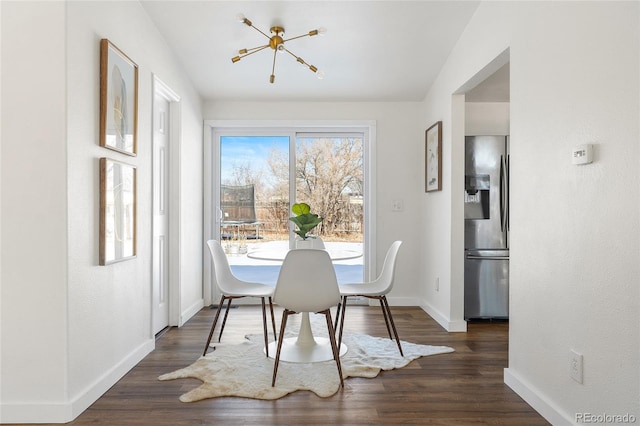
582	154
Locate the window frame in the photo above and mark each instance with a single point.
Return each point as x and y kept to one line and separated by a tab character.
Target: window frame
213	129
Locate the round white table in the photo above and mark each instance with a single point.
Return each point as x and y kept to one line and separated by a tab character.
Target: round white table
305	347
280	253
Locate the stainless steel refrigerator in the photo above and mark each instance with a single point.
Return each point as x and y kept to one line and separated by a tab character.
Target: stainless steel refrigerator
486	233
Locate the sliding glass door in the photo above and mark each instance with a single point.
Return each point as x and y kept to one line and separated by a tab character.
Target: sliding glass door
259	174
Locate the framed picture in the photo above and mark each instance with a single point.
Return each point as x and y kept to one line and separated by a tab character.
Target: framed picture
117	211
118	99
433	158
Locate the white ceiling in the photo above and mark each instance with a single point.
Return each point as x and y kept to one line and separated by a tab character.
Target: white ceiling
372	51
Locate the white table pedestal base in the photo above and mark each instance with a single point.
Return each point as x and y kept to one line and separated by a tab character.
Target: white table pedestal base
294	352
305	347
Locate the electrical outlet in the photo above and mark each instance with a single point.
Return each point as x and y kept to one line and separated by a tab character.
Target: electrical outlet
575	366
438	284
397	205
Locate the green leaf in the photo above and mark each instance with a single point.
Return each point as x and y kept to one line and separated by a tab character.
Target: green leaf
305	223
301	208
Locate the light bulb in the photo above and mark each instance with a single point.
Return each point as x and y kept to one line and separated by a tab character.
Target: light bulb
240	17
322	31
320	74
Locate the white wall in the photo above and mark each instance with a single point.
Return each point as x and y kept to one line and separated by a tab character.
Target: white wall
34	214
71	328
400	153
574	229
486	118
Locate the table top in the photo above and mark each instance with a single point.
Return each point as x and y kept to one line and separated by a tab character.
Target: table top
279	254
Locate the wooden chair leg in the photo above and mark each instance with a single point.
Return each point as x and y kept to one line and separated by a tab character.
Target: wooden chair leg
386	317
335	348
213	326
344	312
335	324
395	332
264	327
273	319
224	321
283	325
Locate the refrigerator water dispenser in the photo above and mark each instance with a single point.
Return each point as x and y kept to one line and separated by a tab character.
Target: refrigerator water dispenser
476	196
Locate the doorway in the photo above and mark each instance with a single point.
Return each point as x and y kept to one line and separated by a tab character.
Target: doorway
479	107
164	293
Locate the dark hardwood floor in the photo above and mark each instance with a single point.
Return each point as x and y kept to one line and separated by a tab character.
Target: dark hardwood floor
462	388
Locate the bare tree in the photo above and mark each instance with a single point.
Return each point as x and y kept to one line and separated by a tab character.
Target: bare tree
244	174
328	174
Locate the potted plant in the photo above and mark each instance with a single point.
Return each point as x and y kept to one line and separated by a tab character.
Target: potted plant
305	221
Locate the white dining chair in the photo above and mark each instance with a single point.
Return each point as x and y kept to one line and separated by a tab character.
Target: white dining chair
307	283
377	289
232	288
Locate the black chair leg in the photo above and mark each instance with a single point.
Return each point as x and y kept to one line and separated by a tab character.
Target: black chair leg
213	326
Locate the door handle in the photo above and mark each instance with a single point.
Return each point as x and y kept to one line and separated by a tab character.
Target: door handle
473	257
502	194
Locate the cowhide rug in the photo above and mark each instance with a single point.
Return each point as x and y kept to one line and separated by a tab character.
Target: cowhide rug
243	370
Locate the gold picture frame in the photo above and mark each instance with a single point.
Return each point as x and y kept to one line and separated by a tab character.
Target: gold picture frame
433	158
118	100
118	211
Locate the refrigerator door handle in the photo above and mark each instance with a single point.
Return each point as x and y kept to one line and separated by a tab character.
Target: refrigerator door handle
508	182
473	257
502	194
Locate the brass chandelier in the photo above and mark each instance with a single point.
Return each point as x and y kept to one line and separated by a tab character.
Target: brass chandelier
277	43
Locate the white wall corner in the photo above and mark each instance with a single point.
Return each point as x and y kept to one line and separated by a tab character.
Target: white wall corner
65	412
444	321
532	396
191	311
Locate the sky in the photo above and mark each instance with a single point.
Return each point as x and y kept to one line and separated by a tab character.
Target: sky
251	150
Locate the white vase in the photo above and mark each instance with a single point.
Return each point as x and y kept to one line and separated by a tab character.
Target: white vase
311	242
304	244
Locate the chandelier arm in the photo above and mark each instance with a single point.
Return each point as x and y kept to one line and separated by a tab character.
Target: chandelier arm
260	31
297	37
273	67
300	60
249	52
255	49
290	53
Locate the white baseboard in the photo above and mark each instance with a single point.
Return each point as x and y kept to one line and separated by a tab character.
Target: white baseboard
535	399
397	301
191	311
64	412
446	323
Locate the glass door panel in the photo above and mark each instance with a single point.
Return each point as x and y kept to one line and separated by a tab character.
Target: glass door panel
254	202
329	176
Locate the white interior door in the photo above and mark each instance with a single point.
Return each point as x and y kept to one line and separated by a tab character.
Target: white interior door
160	275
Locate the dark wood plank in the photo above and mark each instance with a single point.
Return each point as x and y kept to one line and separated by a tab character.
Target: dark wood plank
462	388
